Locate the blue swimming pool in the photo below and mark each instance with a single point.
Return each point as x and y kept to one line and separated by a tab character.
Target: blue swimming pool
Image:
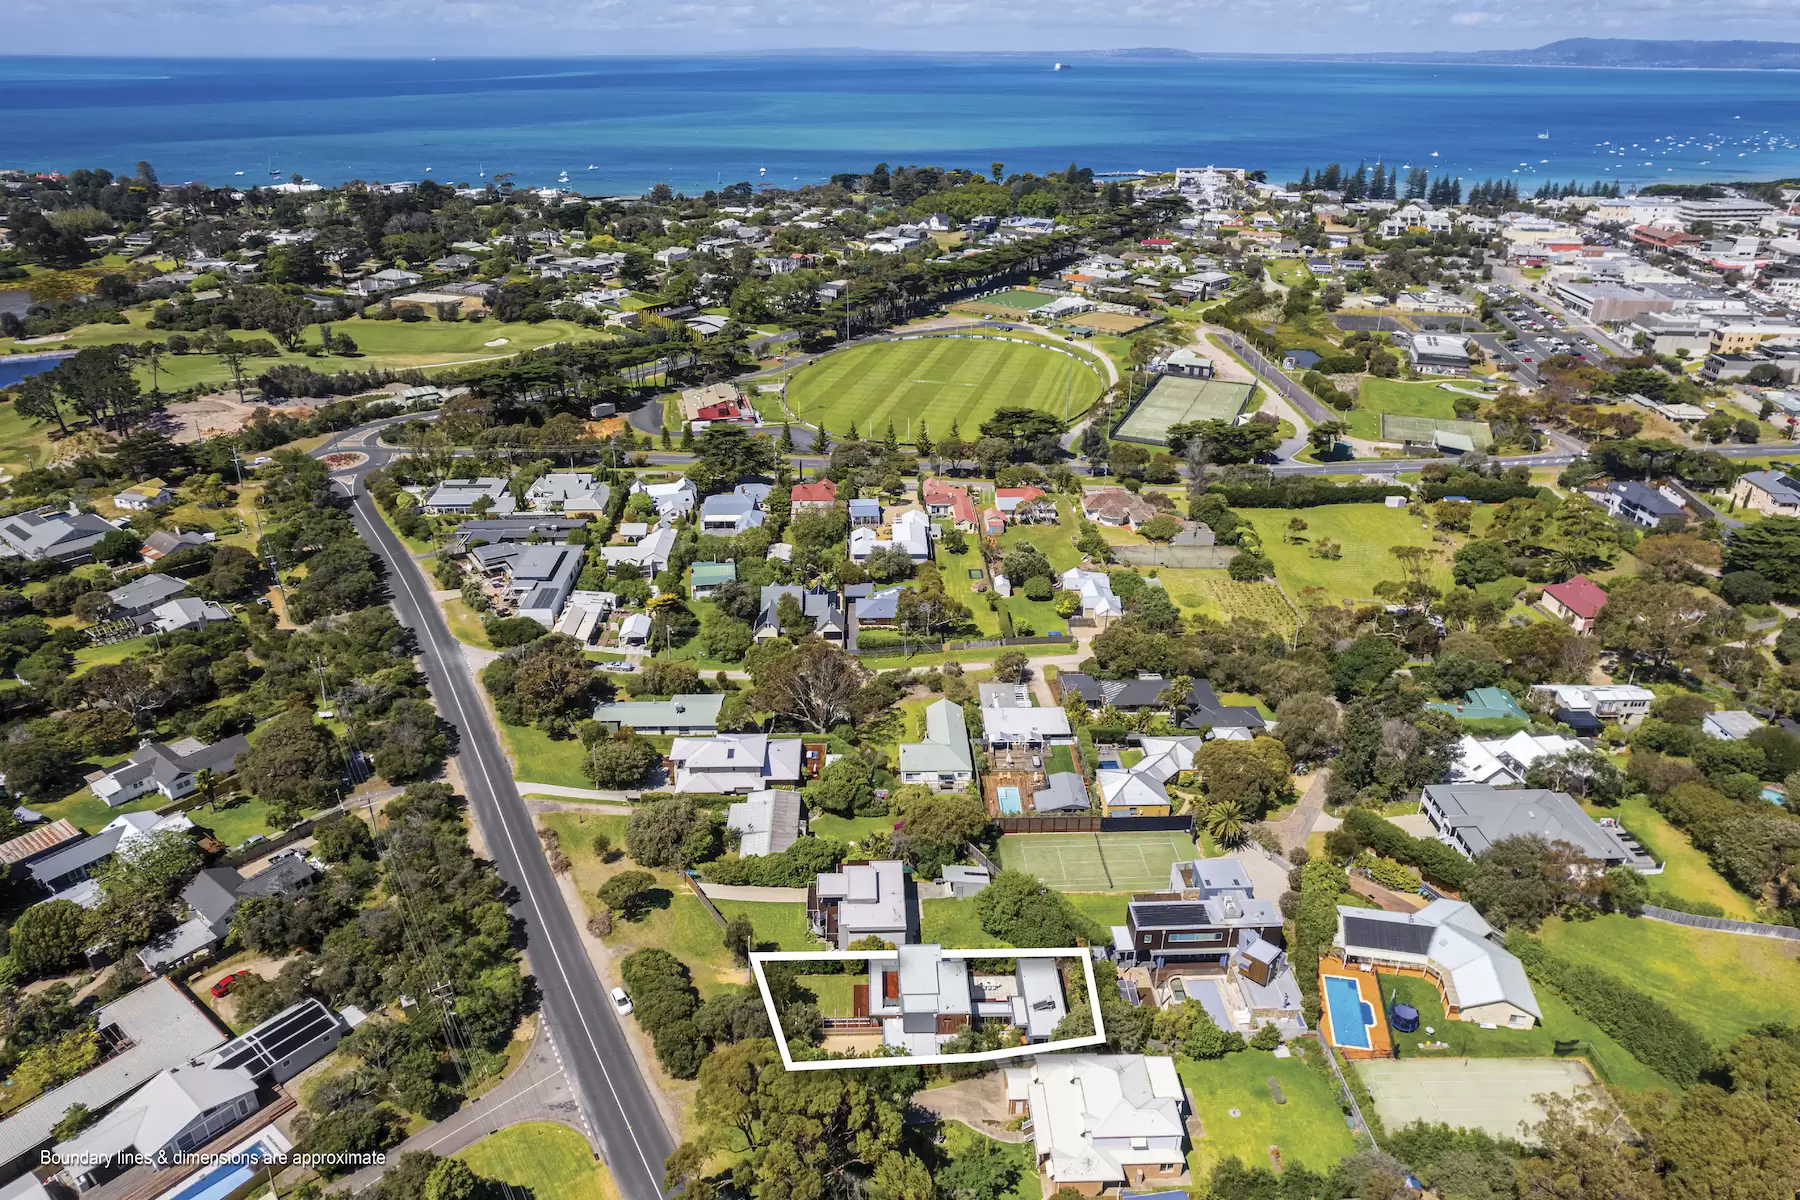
1010	802
1351	1015
1774	795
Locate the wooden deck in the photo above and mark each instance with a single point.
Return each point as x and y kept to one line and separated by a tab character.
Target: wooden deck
1381	1044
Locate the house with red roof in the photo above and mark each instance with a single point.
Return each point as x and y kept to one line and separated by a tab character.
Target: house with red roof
1576	603
962	510
940	497
817	496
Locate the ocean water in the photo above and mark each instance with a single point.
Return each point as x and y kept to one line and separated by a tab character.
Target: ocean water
621	125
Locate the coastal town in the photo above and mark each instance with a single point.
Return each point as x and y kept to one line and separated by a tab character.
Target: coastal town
944	684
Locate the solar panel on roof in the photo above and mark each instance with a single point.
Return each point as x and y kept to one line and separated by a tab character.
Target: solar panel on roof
1166	916
1401	938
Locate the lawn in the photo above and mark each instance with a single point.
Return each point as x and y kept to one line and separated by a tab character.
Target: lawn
1365	531
952	922
1686	872
24	443
938	382
545	1160
1724	983
959	1140
833	992
676	921
783	925
847	829
1289	271
465	623
1062	760
88	812
538	758
1056	542
1611	1061
384	345
1376	396
115	652
232	825
1309	1128
960	585
1214	594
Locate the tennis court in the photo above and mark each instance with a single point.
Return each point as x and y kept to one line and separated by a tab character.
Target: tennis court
1176	400
1429	431
1494	1094
1019	298
1097	862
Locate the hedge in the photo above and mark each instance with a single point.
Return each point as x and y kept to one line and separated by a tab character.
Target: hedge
1435	860
797	866
1488	491
1646	1027
664	1001
1305	493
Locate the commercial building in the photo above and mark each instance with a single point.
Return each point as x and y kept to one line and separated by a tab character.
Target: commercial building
1439	354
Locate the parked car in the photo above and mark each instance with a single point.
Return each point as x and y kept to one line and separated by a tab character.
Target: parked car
222	988
621	1002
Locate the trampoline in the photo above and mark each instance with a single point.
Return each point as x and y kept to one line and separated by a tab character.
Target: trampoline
1404	1018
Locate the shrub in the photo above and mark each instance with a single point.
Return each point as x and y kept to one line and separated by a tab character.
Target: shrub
664	1001
1434	860
1648	1029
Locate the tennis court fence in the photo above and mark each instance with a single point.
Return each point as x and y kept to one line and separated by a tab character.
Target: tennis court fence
1048	824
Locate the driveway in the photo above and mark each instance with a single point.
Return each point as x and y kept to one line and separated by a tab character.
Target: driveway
979	1103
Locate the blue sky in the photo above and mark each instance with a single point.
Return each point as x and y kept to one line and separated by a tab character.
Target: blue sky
375	27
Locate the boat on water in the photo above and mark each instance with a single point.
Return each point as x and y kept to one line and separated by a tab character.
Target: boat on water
1544	136
1057	67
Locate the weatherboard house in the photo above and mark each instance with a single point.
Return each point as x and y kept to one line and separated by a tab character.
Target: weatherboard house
1450	944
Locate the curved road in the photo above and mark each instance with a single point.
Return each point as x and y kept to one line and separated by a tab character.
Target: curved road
615	1098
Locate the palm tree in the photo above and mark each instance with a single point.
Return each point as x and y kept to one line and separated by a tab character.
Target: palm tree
206	783
1225	821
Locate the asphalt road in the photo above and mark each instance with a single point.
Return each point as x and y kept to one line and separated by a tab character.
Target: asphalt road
615	1097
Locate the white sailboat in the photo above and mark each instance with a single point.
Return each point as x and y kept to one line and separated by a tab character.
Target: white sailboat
1544	136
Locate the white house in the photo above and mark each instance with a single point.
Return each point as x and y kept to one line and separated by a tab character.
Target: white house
461	496
567	492
166	768
1103	1121
1501	761
1479	979
735	762
675	499
1097	599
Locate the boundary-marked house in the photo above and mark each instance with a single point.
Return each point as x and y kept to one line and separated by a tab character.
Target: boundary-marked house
730	513
734	762
1575	602
706	578
1450	944
649	554
1118	508
168	768
918	997
144	496
1025	728
1103	1121
186	612
944	761
212	897
1098	602
1470	817
1639	503
861	899
911	533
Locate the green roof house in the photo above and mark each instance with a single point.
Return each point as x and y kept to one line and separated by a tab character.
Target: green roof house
1484	704
709	577
944	761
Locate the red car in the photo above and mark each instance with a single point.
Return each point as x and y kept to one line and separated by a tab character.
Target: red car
223	987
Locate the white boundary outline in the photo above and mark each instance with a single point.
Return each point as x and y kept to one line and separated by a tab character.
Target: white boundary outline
757	959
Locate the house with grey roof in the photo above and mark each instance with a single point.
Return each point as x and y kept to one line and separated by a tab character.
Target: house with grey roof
690	715
1471	817
821	606
137	598
211	898
650	554
150	1030
1208	911
923	997
1450	943
168	768
731	513
766	822
184	613
523	527
859	900
568	492
164	542
1063	791
734	762
457	496
945	760
54	533
1772	493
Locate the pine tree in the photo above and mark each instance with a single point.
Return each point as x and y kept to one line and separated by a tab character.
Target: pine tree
923	442
1378	182
1306	182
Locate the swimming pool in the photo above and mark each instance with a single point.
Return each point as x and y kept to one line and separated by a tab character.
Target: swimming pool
1774	795
1351	1015
1010	802
226	1177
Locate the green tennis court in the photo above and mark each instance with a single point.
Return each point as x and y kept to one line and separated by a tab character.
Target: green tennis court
1176	400
1019	298
1097	862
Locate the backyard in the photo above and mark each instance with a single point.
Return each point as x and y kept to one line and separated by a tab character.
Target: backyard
1723	983
1366	532
1687	875
1309	1128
